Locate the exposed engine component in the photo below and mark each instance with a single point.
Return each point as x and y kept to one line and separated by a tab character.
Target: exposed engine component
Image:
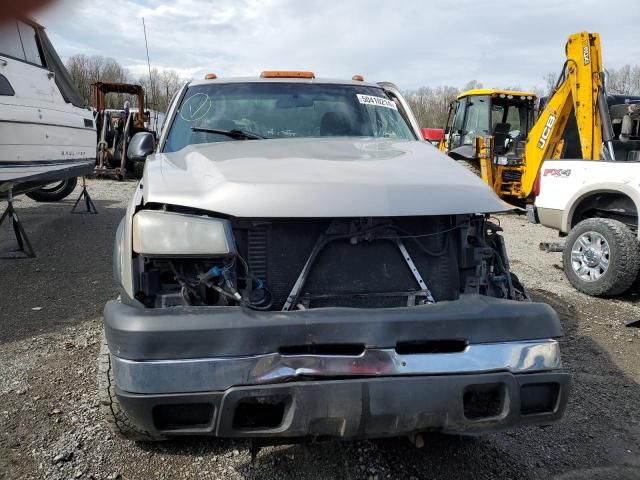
281	264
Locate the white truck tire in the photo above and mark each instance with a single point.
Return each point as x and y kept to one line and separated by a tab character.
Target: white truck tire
601	257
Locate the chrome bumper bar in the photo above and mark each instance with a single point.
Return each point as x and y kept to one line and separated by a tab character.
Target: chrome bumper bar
217	374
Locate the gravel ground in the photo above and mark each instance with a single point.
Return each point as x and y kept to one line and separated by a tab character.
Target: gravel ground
49	341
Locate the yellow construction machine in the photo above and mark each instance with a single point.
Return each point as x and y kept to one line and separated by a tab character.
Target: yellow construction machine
494	132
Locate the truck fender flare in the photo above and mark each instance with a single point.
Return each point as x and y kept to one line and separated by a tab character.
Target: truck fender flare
592	189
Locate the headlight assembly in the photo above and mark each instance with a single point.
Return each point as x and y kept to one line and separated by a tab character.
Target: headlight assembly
159	233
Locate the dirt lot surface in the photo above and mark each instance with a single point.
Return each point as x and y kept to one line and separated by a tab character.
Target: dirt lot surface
49	338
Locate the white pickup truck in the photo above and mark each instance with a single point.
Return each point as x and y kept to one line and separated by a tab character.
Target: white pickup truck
595	204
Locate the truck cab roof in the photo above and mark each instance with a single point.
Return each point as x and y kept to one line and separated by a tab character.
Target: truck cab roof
283	79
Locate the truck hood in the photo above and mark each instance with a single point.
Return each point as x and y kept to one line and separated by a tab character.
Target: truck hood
316	177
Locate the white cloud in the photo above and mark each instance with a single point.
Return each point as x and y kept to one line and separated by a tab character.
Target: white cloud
410	42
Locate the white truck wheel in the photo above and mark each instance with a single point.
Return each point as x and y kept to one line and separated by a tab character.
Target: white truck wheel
601	257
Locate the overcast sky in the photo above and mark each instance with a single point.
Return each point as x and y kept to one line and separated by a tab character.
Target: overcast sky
409	42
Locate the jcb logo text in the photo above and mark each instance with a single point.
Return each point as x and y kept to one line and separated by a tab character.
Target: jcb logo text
547	131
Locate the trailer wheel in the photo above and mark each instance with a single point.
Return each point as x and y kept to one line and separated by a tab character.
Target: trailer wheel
117	420
601	257
54	192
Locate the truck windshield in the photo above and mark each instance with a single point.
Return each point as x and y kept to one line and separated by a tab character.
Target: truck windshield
281	110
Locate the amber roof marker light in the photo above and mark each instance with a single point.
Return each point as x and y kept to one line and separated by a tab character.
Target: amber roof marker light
210	76
357	78
286	74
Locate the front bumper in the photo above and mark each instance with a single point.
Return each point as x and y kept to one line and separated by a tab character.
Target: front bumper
204	332
357	408
477	364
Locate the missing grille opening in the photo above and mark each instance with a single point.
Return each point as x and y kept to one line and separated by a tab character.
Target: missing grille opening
260	413
351	349
538	398
431	346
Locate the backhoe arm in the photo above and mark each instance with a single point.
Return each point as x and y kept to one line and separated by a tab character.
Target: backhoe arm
580	87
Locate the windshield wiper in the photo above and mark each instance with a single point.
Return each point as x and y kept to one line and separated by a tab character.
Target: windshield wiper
237	134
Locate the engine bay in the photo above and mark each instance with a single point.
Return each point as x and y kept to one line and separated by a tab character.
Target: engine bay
297	264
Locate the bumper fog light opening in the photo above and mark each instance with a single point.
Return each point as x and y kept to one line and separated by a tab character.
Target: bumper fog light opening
182	416
537	398
260	413
484	401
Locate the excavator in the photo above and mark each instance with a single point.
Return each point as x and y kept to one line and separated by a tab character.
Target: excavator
494	133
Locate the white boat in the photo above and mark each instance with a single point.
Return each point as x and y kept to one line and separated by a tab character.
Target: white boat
46	133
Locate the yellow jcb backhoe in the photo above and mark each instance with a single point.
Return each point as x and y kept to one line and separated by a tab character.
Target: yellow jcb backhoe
494	133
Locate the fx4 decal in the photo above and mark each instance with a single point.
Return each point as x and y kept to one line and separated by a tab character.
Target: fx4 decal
557	172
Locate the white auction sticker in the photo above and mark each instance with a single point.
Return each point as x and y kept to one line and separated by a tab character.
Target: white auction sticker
377	101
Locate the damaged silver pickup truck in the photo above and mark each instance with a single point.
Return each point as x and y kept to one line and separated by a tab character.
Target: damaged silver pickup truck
297	263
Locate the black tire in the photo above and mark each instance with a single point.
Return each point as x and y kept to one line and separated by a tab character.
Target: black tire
471	165
623	257
117	420
521	292
54	192
138	168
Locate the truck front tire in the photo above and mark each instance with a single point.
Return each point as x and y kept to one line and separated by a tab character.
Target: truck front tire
113	414
601	257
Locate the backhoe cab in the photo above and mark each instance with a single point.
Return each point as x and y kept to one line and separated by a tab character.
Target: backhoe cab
504	114
488	129
493	131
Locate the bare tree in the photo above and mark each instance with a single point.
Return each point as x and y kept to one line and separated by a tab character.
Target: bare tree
161	88
88	70
431	105
550	80
625	80
471	85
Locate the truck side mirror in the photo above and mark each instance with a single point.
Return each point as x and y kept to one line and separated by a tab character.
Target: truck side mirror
141	145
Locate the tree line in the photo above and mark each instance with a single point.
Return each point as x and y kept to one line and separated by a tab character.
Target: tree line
429	104
86	70
624	81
